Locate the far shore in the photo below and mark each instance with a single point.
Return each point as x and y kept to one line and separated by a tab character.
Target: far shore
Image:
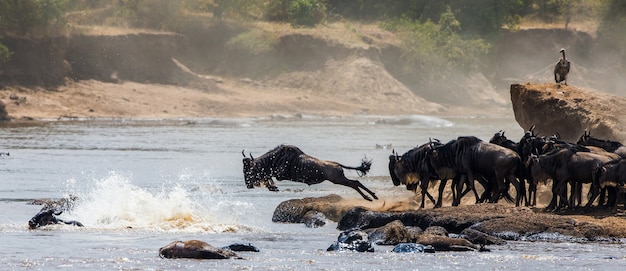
234	99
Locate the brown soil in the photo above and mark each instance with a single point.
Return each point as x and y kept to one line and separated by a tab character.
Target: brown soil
349	88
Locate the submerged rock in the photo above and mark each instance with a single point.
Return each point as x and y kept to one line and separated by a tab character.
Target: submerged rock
352	241
413	248
314	219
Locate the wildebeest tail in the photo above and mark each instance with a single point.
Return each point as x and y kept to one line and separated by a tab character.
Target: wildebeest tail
363	168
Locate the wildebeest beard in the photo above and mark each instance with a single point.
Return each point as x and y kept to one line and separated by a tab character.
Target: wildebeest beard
287	162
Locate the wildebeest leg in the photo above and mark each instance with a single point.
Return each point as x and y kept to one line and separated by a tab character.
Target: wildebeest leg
561	191
424	188
553	202
520	189
442	186
354	184
576	198
269	183
532	193
457	184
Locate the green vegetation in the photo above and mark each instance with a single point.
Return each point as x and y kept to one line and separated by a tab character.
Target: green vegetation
437	34
254	42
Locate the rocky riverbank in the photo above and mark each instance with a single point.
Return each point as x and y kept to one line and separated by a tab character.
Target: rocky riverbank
400	221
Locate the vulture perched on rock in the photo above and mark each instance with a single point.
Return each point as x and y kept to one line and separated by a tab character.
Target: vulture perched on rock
561	69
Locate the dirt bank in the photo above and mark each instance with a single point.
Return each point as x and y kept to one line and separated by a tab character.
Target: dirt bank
231	97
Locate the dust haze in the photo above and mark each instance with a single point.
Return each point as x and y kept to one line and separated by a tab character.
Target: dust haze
360	64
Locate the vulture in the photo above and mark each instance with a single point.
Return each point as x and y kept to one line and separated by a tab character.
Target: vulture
561	69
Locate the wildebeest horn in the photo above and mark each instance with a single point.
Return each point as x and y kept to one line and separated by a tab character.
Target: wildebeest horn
502	132
244	155
532	130
251	156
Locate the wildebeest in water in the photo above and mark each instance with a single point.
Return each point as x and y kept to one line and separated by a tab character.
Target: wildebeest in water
287	162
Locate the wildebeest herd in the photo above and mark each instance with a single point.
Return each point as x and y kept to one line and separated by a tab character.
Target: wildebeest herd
497	165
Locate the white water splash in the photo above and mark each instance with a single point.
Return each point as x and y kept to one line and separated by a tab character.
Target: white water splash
115	202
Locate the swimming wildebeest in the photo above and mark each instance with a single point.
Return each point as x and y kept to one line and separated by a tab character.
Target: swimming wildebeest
195	249
287	162
51	209
48	217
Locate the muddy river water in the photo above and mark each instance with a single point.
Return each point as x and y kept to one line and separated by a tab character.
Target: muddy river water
142	184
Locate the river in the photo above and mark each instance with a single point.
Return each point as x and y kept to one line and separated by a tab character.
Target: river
142	184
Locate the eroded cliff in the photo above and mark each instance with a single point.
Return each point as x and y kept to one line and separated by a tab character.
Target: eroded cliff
569	111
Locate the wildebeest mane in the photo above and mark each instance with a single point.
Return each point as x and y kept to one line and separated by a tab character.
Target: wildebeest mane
607	145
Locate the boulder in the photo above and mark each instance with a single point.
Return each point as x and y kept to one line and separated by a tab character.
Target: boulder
394	233
482	238
195	249
294	210
413	248
314	219
569	111
352	241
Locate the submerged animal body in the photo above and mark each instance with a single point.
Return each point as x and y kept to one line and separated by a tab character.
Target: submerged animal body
48	217
561	69
287	162
195	249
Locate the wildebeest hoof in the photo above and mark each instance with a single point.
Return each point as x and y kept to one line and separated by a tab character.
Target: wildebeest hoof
272	188
195	249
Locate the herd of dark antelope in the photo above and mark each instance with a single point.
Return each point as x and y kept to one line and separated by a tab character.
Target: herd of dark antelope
498	166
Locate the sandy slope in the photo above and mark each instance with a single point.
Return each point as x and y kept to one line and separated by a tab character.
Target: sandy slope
357	86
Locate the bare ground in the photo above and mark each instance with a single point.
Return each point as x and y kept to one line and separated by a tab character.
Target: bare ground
357	86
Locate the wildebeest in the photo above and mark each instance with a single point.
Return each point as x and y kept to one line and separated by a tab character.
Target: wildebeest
476	159
608	145
411	169
500	139
287	162
48	217
568	165
51	209
195	249
561	69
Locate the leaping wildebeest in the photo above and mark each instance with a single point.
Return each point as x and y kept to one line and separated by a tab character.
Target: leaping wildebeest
287	162
561	69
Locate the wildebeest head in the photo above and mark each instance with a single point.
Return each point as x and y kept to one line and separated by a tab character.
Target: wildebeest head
498	138
395	168
248	171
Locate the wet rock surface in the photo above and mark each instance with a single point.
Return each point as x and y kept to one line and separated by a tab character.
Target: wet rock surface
460	228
